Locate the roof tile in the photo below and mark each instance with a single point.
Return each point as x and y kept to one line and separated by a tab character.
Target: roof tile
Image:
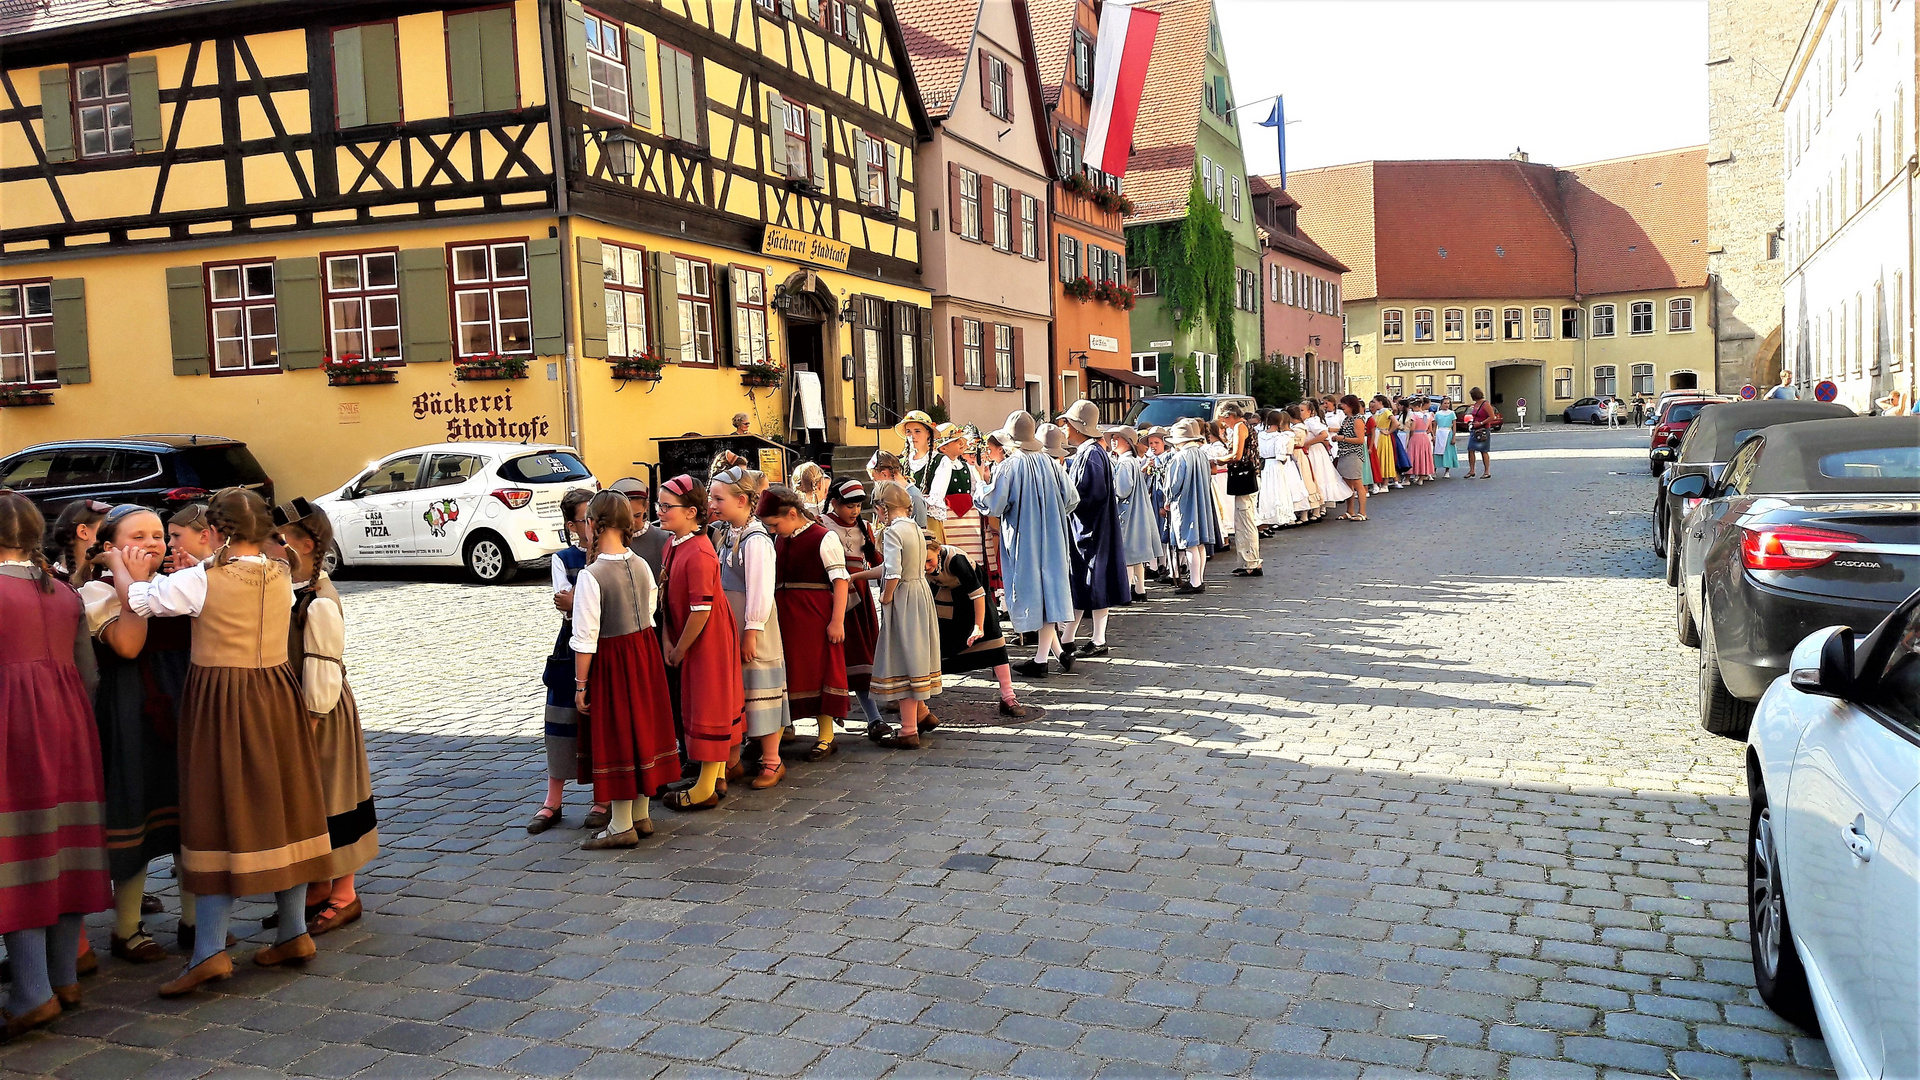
1160	172
938	34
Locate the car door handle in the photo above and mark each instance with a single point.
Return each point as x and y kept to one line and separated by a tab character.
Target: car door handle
1856	838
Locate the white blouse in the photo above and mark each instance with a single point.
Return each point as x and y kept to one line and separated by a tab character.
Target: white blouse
181	593
586	600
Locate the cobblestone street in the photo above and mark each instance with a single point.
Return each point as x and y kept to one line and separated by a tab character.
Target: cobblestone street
1428	798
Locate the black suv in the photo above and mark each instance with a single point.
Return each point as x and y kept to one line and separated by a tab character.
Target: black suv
161	471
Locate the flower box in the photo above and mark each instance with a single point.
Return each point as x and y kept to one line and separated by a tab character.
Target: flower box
489	368
761	375
1080	288
19	399
643	368
353	371
1120	296
1077	183
1113	201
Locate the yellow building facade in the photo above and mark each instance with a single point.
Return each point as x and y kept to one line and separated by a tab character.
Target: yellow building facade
334	236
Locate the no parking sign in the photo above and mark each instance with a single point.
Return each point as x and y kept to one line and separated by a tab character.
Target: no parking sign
1826	391
1749	392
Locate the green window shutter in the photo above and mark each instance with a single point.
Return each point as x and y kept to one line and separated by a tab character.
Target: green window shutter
817	136
664	284
861	417
579	89
56	114
637	97
463	63
70	330
893	178
688	99
297	313
499	80
544	268
862	182
777	132
426	322
736	343
143	90
187	319
349	79
925	359
593	299
380	67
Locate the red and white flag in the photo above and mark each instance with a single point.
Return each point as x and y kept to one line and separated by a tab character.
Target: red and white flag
1119	76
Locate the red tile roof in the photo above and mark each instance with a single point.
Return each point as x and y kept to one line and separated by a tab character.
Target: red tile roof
1500	228
1160	173
938	34
1296	243
1053	23
19	17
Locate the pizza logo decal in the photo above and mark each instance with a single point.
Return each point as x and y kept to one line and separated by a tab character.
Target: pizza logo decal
439	514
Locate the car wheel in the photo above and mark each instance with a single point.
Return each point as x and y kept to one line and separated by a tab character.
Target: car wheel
1653	467
1720	712
489	559
1597	421
1659	534
330	565
1777	972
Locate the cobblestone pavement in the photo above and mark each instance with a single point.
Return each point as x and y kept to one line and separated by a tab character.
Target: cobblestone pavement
1428	798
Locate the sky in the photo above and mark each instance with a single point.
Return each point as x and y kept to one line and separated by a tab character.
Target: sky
1569	81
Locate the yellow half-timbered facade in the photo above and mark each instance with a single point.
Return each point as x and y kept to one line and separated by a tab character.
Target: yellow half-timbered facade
336	229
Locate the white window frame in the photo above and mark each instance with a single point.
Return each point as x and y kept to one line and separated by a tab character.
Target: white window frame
969	224
607	67
1392	325
251	303
1422	319
877	185
972	353
1563	384
998	95
1543	321
693	286
1029	226
1513	324
1483	324
1636	312
362	309
1680	315
1606	381
26	335
1235	182
106	115
1002	356
494	287
1002	218
750	310
1600	321
1453	323
623	273
1641	378
1146	363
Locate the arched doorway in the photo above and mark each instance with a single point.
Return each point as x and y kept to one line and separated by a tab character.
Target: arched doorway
1683	380
808	316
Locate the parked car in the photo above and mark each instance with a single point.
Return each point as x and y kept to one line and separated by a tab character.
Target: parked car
1166	410
162	471
1812	524
1668	424
1705	445
1833	881
1592	410
490	507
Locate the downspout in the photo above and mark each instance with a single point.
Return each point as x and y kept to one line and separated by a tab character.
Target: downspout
1713	320
569	370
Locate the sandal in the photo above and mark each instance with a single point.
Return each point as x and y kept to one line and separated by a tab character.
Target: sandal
333	916
543	819
682	800
822	750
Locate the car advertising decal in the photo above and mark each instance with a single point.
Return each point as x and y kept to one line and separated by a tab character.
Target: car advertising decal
376	526
439	514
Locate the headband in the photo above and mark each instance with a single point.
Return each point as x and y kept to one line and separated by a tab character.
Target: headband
679	487
731	477
849	491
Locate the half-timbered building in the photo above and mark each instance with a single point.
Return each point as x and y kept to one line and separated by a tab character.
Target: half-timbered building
341	227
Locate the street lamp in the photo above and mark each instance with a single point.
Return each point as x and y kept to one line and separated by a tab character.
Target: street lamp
622	154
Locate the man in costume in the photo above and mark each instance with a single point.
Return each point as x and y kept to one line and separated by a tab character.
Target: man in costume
1032	499
1097	557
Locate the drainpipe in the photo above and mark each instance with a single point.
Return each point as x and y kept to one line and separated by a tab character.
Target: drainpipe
1713	320
569	370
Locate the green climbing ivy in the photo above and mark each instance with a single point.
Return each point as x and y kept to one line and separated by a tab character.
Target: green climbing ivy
1194	260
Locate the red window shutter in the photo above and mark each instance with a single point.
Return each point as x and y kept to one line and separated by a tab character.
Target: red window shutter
953	197
989	356
958	372
986	80
986	209
1006	80
1019	360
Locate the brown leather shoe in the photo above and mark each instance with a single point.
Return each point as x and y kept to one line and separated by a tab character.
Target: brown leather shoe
296	951
543	819
138	949
150	904
1015	710
333	918
39	1016
67	996
765	778
213	969
644	827
87	962
596	819
609	840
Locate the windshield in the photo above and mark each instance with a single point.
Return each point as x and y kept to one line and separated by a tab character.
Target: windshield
1684	411
1167	411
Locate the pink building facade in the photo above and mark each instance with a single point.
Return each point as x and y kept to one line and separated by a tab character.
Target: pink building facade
1301	323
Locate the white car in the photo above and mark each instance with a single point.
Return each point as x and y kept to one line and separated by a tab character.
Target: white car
489	507
1833	880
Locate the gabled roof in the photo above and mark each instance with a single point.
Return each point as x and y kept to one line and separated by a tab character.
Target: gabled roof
1053	23
1640	222
1160	173
938	35
18	17
1297	243
1337	204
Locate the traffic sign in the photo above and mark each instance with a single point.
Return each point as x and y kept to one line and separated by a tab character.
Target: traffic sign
1522	403
1826	391
1749	392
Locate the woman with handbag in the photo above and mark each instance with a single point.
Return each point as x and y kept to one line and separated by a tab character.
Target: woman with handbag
1479	422
1243	486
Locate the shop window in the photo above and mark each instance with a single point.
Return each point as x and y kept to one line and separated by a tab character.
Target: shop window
749	315
624	270
1680	315
1641	312
1603	320
1453	324
103	109
240	313
1422	320
1483	324
363	306
1642	378
26	335
1563	383
1605	382
607	66
1543	324
1003	356
1512	328
694	278
1390	326
491	303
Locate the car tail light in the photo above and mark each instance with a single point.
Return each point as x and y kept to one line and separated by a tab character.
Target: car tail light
514	498
531	536
1791	547
184	494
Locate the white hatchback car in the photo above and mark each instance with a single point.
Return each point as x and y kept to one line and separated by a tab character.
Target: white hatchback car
1833	856
489	507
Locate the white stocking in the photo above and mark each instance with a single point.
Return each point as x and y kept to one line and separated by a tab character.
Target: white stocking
1049	643
619	816
1073	629
1100	625
1196	564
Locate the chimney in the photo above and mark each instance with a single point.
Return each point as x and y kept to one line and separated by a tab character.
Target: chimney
1518	155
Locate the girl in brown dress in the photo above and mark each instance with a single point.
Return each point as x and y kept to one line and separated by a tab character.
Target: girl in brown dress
252	813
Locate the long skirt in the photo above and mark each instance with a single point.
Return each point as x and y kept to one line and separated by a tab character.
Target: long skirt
1420	449
763	681
967	531
907	664
1333	489
1222	506
816	669
1402	458
253	817
137	709
562	724
1276	499
862	623
628	729
347	785
1302	470
53	860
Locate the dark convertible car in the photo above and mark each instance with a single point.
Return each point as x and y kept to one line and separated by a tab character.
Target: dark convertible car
1812	524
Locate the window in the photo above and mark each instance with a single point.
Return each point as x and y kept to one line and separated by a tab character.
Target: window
1083	63
1029	226
1096	268
1454	388
1604	382
1145	281
1543	324
1002	218
996	86
1423	385
447	470
624	270
1453	323
1220	187
1422	323
1206	180
1069	258
1570	323
694	278
877	184
1236	198
971	345
969	205
1562	383
749	315
1249	290
607	67
1642	378
363	306
240	308
1395	385
1512	328
1146	363
1002	356
26	335
906	330
1273	284
491	304
1066	153
104	108
1390	324
1603	320
1641	312
1680	315
1483	324
799	144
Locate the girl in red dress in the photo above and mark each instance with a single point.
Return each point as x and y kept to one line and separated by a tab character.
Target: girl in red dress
620	680
53	865
810	593
702	645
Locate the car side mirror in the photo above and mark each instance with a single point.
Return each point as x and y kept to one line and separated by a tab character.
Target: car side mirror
1662	453
1823	663
1693	486
1673	438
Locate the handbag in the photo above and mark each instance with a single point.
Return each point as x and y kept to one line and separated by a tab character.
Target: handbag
1243	472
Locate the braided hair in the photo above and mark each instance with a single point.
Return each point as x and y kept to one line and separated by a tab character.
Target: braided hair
66	533
607	510
241	516
21	528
